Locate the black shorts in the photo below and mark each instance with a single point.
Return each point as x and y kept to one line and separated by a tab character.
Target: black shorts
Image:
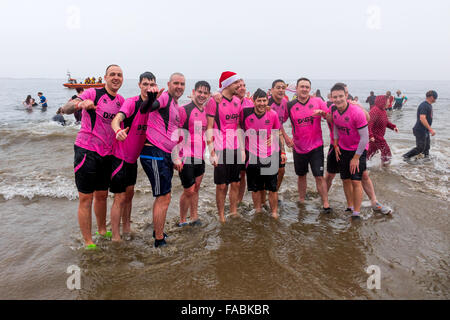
229	168
158	166
258	179
314	158
123	175
344	165
192	168
92	171
332	163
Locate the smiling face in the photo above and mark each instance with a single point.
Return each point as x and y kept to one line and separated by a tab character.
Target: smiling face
200	95
279	90
339	98
114	78
241	89
303	89
261	105
176	86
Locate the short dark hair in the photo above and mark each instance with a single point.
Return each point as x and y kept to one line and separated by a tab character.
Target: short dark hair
337	87
432	93
111	65
276	81
259	94
39	93
303	79
371	92
340	84
202	83
79	90
147	75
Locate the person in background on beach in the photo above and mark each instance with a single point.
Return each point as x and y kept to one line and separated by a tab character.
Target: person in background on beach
377	128
43	101
100	80
318	95
77	114
156	156
422	128
399	100
225	143
193	127
390	99
329	102
351	139
59	117
262	147
305	114
28	103
93	149
371	99
130	126
333	167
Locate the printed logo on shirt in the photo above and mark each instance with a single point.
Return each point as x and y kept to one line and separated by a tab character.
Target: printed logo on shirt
310	106
232	116
347	119
235	104
267	122
118	103
107	115
142	127
306	121
104	100
343	129
251	119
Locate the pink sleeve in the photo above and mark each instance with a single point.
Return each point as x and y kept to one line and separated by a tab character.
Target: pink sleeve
211	107
88	94
276	122
163	99
183	116
127	107
360	120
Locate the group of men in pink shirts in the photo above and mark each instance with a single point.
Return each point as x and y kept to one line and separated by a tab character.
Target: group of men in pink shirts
245	140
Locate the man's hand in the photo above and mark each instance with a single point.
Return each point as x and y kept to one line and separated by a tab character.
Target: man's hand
217	96
432	132
87	105
372	139
283	158
178	165
396	129
319	112
213	159
121	134
338	152
354	165
289	142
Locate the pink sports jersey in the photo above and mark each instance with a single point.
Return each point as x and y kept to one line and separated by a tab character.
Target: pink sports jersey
247	103
162	123
96	133
306	129
347	124
258	130
130	149
226	120
280	109
193	120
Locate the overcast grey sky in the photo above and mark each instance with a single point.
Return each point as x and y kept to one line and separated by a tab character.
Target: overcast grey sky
376	39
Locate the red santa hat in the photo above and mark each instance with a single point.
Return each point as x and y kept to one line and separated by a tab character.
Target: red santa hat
226	79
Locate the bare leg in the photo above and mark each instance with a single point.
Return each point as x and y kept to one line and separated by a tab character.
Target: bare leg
348	190
241	188
302	184
281	172
234	193
256	196
329	180
126	213
194	200
322	189
117	210
221	194
160	207
368	187
357	194
185	202
273	201
85	216
100	199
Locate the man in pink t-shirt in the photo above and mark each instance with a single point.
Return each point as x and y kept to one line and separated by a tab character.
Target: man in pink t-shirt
93	149
351	140
224	140
156	156
261	128
193	126
305	114
130	126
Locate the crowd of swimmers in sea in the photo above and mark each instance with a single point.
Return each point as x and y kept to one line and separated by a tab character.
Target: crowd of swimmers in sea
245	140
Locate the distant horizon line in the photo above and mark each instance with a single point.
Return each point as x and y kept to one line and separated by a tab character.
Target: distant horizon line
271	79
